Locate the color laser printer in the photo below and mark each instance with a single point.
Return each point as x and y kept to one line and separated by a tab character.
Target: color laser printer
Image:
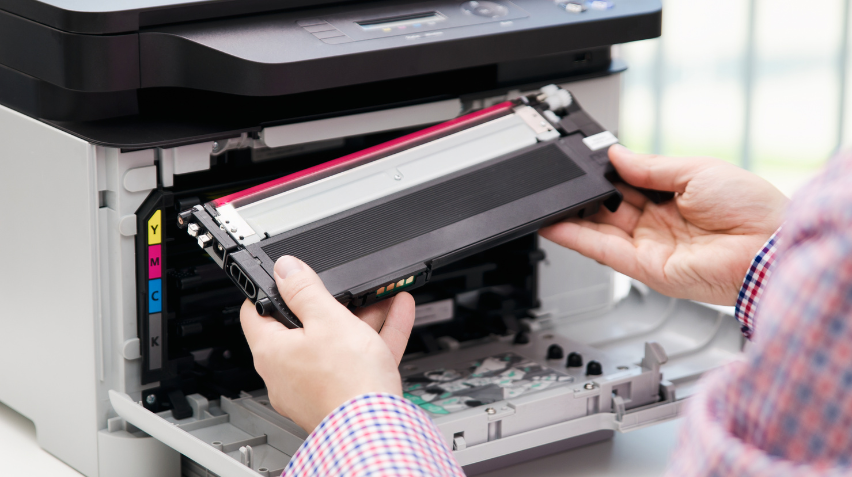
122	339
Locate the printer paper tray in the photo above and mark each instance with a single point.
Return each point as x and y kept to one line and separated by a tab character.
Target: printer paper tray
697	339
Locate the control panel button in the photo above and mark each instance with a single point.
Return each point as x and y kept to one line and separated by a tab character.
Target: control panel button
600	4
485	9
309	22
328	34
572	7
319	28
336	40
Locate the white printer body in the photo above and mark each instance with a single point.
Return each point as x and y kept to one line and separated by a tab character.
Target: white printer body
114	391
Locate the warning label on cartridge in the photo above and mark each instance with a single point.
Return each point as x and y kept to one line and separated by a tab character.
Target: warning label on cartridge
484	381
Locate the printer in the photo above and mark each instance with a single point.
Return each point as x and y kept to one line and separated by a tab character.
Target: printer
121	337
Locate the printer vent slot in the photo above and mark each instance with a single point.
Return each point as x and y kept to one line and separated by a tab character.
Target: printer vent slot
409	216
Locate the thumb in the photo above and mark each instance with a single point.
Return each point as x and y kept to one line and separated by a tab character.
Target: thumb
650	171
304	292
398	324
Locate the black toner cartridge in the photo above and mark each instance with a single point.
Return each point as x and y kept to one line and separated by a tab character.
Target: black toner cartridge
379	221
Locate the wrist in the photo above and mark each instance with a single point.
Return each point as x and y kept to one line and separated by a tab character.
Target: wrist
753	284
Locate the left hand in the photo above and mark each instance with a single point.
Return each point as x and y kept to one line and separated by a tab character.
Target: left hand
337	356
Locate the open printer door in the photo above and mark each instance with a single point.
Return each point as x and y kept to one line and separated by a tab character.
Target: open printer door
242	437
640	385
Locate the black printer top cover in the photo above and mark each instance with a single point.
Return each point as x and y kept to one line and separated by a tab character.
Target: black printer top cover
123	16
143	73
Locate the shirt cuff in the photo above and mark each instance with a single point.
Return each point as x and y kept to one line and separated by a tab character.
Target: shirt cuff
376	435
754	283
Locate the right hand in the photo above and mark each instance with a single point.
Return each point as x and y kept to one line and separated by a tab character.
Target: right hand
699	245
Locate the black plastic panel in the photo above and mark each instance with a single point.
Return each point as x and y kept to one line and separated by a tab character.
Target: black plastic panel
439	242
177	116
43	100
77	62
275	54
120	16
426	210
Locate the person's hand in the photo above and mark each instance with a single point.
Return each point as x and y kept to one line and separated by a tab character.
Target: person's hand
697	246
337	356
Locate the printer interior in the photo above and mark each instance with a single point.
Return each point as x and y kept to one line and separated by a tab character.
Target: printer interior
486	294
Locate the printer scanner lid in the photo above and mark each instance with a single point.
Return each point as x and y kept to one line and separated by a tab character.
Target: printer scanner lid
182	72
121	16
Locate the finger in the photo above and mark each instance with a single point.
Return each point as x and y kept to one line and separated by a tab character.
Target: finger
304	292
600	242
650	171
257	327
625	218
585	223
398	324
375	314
632	196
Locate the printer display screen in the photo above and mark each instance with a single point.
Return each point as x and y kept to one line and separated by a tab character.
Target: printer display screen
414	20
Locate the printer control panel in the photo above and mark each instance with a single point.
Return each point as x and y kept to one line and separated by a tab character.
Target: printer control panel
426	19
332	46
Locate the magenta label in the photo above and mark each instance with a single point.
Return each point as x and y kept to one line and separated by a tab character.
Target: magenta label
154	264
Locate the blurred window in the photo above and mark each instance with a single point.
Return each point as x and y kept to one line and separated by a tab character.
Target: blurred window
760	83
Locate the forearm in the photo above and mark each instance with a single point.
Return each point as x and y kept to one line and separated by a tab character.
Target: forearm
377	435
787	409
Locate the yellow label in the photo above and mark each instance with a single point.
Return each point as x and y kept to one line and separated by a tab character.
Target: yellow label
155	232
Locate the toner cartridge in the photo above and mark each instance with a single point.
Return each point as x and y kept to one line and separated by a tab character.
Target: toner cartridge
379	221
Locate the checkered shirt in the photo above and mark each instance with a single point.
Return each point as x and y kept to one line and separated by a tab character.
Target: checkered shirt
753	285
787	408
375	435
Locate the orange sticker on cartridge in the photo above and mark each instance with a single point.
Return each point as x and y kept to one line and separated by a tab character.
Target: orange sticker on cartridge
155	269
155	232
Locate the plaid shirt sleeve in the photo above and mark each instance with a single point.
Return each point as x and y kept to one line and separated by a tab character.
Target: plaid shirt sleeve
786	410
754	283
375	435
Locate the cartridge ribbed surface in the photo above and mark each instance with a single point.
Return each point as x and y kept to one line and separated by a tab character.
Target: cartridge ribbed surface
404	218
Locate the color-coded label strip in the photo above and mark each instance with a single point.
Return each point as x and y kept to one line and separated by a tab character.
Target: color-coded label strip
155	295
155	229
154	266
155	348
155	290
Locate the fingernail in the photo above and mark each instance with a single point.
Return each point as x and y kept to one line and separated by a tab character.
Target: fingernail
621	149
287	265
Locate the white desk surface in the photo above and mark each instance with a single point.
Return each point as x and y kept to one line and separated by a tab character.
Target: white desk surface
637	454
